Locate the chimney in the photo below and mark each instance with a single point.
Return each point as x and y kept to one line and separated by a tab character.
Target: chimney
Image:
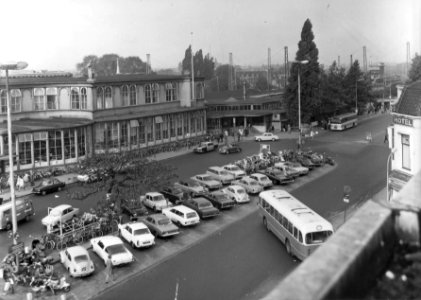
148	63
118	67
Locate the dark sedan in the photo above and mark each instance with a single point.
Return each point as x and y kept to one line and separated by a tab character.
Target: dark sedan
173	194
230	148
202	206
49	185
220	200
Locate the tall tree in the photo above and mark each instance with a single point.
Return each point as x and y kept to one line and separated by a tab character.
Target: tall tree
107	64
203	66
358	88
415	71
332	91
262	82
310	78
208	67
186	63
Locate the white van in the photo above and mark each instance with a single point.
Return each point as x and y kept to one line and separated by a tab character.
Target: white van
220	174
24	211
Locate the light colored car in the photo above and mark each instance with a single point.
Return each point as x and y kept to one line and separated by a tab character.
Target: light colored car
191	187
295	166
235	170
249	184
137	234
114	246
155	201
59	214
160	225
237	193
220	174
289	171
182	215
267	136
262	179
77	261
205	147
207	181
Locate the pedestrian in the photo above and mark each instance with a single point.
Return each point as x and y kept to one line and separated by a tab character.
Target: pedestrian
289	128
386	138
108	270
19	183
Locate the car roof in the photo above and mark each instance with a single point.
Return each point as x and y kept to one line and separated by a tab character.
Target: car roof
258	175
77	250
236	187
182	208
136	225
62	206
200	199
153	194
108	240
158	216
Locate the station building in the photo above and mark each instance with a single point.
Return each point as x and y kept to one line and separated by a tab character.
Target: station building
59	118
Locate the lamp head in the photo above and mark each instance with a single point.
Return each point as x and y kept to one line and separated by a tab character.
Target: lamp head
14	66
393	150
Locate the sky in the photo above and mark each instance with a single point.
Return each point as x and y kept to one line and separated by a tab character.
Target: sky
57	34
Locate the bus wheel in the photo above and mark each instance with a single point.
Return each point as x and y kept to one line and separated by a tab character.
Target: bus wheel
265	223
288	246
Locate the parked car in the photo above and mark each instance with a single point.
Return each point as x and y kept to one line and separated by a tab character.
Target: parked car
294	173
89	176
134	208
114	246
155	201
173	194
220	174
207	181
191	187
237	193
261	179
220	200
202	206
249	184
230	148
267	136
182	215
235	170
160	225
59	214
315	158
277	176
296	166
48	186
205	147
304	161
76	261
137	234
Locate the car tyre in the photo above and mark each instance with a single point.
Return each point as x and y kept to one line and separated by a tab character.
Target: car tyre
259	140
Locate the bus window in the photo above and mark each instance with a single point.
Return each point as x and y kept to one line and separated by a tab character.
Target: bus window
296	233
285	222
317	237
290	227
300	237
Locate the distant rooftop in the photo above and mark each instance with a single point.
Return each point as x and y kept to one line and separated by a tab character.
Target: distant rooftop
410	101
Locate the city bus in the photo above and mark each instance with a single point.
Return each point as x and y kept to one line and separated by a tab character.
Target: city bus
344	121
297	226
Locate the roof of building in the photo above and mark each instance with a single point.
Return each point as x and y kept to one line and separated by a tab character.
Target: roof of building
410	101
237	97
31	125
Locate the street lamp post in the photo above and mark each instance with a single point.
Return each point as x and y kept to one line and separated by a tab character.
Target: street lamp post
387	173
7	67
301	62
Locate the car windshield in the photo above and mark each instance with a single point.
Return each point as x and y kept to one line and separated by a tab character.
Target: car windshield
241	191
164	222
55	212
141	231
193	184
207	178
234	168
115	249
253	183
317	237
204	205
158	198
45	183
81	258
191	215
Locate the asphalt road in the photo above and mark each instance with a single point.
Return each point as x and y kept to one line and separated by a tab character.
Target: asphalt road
243	261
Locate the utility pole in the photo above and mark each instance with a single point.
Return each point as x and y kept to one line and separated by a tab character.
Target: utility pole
286	66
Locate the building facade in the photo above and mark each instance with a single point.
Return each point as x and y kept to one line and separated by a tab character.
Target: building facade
58	118
405	137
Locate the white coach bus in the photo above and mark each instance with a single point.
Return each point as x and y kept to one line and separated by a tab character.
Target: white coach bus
300	228
344	121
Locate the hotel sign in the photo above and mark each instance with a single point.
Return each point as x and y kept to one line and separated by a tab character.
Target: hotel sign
403	121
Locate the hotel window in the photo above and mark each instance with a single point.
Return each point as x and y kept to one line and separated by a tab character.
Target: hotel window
125	95
16	100
40	146
149	130
54	140
100	102
192	124
141	132
100	136
133	95
81	142
179	125
134	132
124	138
39	103
83	99
172	125
51	98
186	120
170	94
25	148
69	144
158	127
155	93
112	135
108	98
406	154
75	98
148	93
3	102
165	126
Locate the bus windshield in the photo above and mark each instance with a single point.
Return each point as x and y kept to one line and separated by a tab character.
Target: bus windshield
317	237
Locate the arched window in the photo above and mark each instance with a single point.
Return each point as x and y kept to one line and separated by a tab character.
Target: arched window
125	95
170	94
39	102
51	98
83	99
108	98
3	102
155	93
16	99
133	95
100	103
74	95
148	93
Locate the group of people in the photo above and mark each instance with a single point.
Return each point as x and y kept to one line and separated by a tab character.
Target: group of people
21	182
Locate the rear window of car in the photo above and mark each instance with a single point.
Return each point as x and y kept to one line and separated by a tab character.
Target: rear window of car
81	258
191	215
115	249
164	222
141	231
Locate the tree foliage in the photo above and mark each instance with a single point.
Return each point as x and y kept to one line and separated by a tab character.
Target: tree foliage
332	90
106	65
358	88
309	78
262	82
203	66
415	70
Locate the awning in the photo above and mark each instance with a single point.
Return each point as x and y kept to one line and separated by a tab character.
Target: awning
398	179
